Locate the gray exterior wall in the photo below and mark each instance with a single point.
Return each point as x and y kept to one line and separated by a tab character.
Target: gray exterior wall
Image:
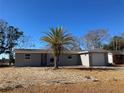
21	61
37	61
65	61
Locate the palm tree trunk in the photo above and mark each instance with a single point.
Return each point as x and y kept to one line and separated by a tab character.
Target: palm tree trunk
55	62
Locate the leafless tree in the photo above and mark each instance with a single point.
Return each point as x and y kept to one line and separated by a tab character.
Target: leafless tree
76	44
93	39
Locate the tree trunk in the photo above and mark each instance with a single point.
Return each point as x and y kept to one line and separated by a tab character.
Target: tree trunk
10	59
55	62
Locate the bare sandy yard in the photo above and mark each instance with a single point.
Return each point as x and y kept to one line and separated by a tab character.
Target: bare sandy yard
46	80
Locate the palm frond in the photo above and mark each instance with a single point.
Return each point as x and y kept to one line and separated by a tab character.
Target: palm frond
58	39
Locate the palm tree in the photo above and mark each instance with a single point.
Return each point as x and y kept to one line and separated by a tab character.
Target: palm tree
58	40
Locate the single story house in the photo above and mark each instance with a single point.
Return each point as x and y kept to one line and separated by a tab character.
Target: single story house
38	57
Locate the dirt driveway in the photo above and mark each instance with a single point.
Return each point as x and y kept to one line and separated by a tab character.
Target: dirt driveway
64	80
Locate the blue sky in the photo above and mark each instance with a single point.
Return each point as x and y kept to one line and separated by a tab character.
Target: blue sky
77	16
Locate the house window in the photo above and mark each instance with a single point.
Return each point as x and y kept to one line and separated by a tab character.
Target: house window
69	57
27	56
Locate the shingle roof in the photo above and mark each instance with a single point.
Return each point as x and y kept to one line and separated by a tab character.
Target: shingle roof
67	52
41	51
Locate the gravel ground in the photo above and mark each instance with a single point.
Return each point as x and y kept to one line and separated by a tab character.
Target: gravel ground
14	78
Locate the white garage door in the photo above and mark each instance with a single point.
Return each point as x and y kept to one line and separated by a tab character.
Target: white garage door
98	59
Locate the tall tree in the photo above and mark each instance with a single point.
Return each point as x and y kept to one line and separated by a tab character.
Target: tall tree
93	39
116	43
3	29
59	40
8	38
12	36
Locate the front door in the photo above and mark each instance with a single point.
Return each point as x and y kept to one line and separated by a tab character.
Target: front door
43	59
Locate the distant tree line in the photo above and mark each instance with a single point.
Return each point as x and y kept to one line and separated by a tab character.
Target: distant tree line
100	38
116	43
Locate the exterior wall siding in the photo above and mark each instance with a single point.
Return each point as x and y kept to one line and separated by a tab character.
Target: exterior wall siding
37	60
70	60
34	61
65	61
